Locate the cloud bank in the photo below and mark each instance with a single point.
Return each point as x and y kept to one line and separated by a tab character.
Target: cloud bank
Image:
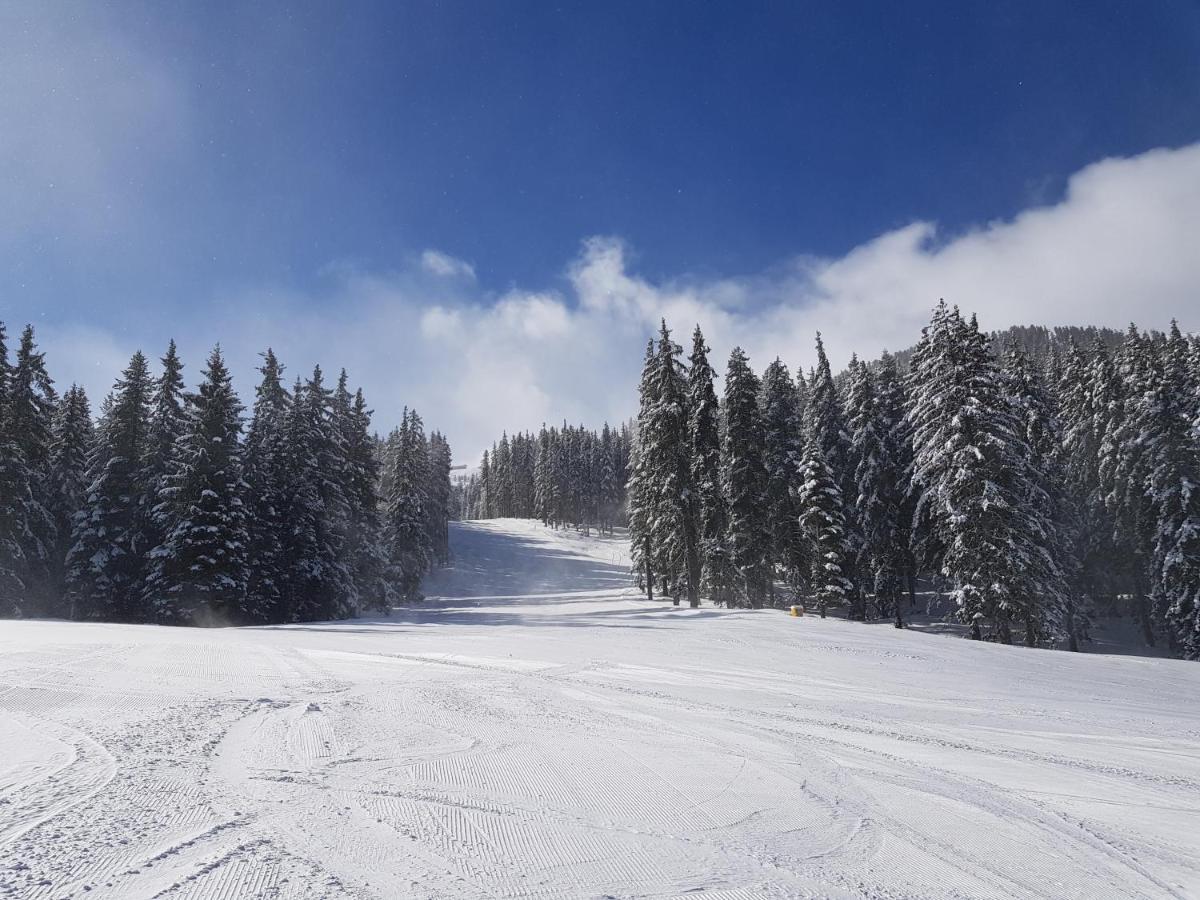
1121	244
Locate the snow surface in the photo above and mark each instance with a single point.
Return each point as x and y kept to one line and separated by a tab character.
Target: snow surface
537	730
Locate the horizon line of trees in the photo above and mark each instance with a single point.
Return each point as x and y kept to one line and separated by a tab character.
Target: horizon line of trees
569	476
1035	487
166	510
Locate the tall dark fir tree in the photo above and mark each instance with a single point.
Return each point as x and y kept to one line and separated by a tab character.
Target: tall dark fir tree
71	447
782	452
704	447
267	479
106	563
198	573
744	483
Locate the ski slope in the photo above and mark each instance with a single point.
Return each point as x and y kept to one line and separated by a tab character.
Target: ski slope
536	729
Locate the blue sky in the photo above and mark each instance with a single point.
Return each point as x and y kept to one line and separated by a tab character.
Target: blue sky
315	175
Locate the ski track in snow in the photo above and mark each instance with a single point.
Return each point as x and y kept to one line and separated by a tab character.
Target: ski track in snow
535	729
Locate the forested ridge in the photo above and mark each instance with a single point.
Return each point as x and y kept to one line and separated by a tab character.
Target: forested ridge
563	476
166	509
1040	477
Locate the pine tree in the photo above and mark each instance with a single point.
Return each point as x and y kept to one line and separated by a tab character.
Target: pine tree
485	493
640	490
542	475
198	573
501	475
823	518
608	500
1082	392
365	553
666	521
1174	488
31	408
782	450
167	421
267	479
971	463
322	586
704	449
407	534
17	509
438	492
1124	469
827	421
743	482
875	415
1046	605
105	566
71	447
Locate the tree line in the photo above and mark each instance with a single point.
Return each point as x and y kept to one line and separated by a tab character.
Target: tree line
1034	487
563	476
165	509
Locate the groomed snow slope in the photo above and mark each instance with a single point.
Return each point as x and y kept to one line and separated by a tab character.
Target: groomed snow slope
536	730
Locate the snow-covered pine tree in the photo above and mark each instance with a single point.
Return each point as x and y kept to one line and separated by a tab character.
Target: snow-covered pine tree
608	500
743	482
484	510
1125	469
640	488
70	450
823	518
1048	607
167	420
704	448
198	573
542	469
1173	457
406	531
662	521
557	498
313	568
17	508
31	407
875	412
438	492
827	422
265	459
971	464
802	403
782	450
664	434
1080	394
502	477
106	566
357	473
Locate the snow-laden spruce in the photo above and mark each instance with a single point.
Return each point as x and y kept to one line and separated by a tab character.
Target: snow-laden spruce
163	511
1042	481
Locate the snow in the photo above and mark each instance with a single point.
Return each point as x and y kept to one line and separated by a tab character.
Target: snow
535	729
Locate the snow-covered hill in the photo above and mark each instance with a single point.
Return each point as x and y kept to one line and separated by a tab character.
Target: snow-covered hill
537	730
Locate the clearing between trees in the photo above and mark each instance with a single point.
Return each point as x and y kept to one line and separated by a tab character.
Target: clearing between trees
537	729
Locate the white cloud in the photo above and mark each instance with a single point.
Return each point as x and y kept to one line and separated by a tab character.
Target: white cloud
440	323
1120	245
438	263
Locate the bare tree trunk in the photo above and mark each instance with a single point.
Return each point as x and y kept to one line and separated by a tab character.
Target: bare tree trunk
1142	605
1072	638
649	572
1004	630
